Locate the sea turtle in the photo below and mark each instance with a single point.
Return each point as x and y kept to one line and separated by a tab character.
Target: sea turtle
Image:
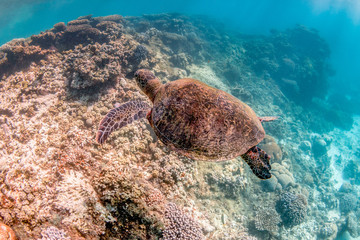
196	120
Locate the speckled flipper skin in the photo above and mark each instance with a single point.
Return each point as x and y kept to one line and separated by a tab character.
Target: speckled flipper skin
259	162
120	117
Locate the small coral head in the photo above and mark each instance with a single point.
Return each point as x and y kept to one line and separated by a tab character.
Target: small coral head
147	82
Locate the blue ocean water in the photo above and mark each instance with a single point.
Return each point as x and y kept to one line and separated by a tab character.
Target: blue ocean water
337	21
327	159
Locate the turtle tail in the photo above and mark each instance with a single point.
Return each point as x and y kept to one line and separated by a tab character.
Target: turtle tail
259	162
120	117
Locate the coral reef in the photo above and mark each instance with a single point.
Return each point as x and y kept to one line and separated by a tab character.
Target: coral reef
270	146
348	202
267	219
351	172
352	225
229	182
92	65
75	196
281	179
292	208
19	54
328	231
56	182
179	225
53	233
296	59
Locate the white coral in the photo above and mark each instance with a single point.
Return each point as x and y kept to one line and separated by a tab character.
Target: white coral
76	195
53	233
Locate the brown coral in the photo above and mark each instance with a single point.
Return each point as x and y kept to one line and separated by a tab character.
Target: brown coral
270	146
18	54
92	65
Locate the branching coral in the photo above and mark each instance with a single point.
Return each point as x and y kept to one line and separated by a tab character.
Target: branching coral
267	219
179	226
292	208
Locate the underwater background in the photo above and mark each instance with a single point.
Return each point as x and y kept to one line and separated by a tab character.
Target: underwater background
65	64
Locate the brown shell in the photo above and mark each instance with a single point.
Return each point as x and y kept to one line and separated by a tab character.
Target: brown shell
202	122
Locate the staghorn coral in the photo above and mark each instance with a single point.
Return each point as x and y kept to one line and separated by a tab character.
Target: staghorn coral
351	171
58	27
179	226
301	76
45	40
112	29
267	219
84	30
79	34
112	18
292	208
79	21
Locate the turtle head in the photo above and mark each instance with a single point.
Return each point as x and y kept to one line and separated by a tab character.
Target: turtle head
147	82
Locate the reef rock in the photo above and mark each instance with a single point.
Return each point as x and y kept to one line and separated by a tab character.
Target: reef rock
272	148
93	64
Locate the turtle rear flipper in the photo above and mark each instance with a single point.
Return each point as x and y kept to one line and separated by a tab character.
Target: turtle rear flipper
268	118
120	117
258	161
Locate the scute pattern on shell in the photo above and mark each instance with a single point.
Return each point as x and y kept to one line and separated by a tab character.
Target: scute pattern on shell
204	123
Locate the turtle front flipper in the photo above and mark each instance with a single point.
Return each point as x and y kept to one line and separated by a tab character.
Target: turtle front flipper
258	161
120	117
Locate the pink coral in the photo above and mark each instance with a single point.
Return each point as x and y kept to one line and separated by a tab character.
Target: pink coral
6	233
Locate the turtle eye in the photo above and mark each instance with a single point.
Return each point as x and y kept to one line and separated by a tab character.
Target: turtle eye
141	82
143	76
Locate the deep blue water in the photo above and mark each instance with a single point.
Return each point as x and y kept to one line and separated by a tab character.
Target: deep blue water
338	21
